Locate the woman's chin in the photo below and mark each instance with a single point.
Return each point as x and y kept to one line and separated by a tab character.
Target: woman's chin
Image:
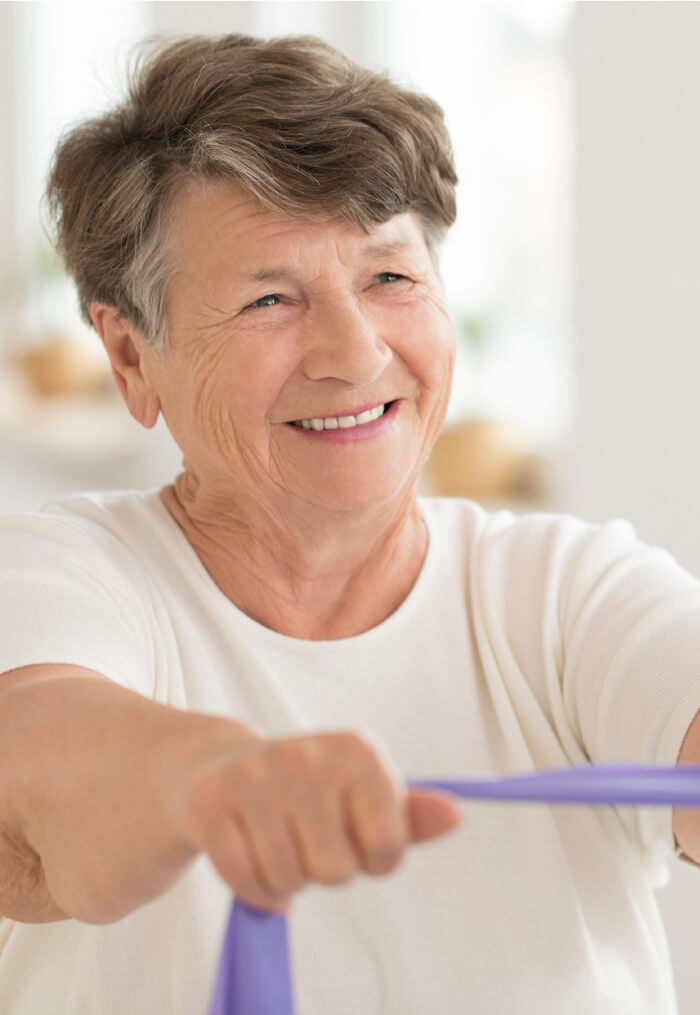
360	493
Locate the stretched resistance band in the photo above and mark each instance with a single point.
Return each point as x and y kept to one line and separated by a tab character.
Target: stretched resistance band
254	975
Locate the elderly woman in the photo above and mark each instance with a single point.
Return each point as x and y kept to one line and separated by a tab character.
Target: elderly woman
223	685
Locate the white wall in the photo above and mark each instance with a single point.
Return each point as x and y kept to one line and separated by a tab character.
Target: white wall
340	23
635	447
636	433
7	130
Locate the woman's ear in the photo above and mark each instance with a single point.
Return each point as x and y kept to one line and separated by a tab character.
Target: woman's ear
128	355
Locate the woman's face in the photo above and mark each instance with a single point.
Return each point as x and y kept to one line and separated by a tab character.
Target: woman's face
283	333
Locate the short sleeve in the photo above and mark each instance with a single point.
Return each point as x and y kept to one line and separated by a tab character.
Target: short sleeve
630	624
70	592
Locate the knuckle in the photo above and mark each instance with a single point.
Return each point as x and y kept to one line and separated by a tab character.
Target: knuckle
204	795
329	859
387	835
335	871
385	858
231	864
359	744
294	883
252	771
305	755
230	870
280	879
275	883
256	897
383	835
251	885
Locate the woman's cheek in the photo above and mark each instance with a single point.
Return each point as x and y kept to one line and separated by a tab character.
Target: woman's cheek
430	350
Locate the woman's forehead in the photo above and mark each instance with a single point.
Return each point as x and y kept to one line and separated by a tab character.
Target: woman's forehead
225	219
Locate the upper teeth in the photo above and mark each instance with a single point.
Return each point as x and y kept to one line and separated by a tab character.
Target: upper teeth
340	422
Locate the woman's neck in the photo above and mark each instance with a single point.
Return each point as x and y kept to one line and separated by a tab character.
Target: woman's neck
317	575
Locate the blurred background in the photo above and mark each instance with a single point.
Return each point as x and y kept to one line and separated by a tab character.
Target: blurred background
572	273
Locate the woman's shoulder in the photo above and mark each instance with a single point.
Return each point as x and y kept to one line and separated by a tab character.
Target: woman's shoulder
502	536
104	506
92	513
75	586
91	528
480	521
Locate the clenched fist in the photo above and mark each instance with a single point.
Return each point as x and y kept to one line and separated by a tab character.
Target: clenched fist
278	814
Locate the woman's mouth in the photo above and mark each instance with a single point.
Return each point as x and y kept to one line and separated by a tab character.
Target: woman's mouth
342	422
367	423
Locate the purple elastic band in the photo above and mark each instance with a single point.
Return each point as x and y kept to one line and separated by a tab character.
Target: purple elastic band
254	975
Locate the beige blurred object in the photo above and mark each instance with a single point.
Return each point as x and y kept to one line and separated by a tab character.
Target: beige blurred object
481	460
65	366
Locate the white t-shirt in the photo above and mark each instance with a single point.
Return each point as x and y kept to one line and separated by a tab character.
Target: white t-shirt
525	643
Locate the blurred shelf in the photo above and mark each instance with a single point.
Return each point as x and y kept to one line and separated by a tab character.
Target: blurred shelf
490	462
53	446
74	428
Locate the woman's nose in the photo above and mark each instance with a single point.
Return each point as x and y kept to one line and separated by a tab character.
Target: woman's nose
345	344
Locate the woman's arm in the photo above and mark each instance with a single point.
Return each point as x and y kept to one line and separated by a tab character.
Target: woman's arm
85	771
686	823
106	797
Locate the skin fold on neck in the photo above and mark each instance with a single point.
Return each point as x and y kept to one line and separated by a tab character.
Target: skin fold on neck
314	577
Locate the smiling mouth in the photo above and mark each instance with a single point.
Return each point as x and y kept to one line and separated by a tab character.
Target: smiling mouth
342	422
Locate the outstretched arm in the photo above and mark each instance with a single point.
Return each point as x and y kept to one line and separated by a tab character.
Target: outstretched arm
686	823
107	796
89	773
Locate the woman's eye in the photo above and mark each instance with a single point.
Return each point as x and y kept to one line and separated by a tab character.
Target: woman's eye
389	276
271	300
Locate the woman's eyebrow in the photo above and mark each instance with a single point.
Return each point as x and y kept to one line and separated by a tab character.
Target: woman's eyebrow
272	273
374	250
386	248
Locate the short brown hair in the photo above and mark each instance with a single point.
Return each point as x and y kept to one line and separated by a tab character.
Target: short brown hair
299	125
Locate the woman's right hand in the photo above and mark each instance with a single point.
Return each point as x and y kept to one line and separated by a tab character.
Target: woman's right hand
277	814
107	797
